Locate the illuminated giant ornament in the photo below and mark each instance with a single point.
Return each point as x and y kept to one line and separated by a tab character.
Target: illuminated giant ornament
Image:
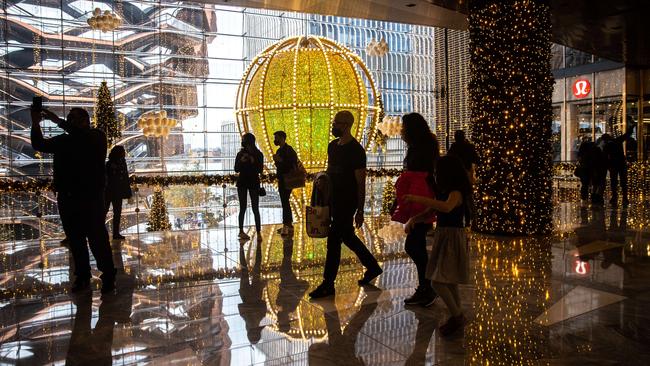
297	85
156	124
106	22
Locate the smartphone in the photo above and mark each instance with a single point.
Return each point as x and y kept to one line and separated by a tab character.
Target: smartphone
37	103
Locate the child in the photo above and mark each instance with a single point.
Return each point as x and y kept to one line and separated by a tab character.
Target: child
448	263
117	186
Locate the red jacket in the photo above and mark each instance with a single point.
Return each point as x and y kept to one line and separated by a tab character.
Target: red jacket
415	183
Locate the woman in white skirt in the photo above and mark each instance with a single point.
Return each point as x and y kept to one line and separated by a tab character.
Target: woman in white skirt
448	263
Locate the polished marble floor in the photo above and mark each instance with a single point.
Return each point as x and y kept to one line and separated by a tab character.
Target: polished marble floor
579	296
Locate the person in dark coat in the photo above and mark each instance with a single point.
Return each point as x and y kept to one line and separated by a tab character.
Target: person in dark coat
617	165
285	160
249	163
117	186
79	178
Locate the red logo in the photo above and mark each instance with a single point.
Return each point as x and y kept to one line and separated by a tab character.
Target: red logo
582	268
581	88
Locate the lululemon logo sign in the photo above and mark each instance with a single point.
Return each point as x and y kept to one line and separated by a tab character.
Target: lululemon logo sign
581	88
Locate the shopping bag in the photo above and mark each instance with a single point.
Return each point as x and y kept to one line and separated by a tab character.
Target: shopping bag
295	178
317	221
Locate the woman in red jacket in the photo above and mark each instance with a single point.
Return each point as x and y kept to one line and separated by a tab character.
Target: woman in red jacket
419	166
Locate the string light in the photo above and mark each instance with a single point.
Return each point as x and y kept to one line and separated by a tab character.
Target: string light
510	95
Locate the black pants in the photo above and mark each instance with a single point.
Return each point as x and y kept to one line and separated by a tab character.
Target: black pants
84	217
342	231
117	212
616	173
416	248
255	205
584	186
285	195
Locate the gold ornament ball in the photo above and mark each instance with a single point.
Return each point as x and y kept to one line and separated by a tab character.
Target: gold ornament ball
297	85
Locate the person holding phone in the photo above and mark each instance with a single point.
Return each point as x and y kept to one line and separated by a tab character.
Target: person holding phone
79	180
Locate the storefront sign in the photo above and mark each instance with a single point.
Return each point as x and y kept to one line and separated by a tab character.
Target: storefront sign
581	88
581	268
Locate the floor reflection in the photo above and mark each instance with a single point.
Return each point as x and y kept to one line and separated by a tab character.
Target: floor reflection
204	298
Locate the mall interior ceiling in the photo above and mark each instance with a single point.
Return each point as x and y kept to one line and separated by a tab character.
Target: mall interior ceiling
613	29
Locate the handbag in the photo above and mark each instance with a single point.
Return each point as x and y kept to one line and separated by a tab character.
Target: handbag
295	178
415	183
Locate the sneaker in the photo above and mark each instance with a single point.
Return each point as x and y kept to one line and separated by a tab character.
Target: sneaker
370	275
322	290
243	235
80	285
452	325
118	237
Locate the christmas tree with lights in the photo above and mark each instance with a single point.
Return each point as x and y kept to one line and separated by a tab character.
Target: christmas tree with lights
388	197
158	218
104	118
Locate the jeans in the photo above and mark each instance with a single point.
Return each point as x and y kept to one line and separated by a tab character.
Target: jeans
242	192
416	248
342	231
285	195
84	216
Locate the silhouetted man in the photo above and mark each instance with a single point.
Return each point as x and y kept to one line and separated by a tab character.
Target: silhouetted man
466	152
617	164
285	160
79	179
346	168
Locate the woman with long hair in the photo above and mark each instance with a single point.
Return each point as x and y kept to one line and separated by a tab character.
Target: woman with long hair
249	164
421	156
448	264
118	186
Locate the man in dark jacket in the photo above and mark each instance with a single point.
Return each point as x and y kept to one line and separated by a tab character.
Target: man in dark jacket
285	160
465	151
79	178
617	165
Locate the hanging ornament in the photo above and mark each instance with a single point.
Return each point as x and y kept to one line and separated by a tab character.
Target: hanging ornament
104	22
156	124
377	49
390	126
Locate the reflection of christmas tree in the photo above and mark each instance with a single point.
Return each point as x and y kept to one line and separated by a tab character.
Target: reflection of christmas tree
158	218
104	118
388	197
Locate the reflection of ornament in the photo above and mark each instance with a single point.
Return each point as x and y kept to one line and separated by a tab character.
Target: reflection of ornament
106	22
156	124
297	85
390	126
393	232
378	49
